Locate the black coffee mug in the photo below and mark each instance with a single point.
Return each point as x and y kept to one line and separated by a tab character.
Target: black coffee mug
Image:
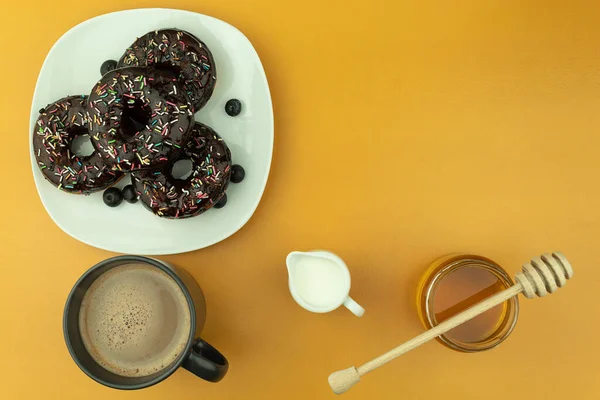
199	357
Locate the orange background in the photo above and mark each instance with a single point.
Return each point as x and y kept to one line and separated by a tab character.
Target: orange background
405	130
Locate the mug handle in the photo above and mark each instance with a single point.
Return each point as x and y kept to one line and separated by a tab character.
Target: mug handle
206	362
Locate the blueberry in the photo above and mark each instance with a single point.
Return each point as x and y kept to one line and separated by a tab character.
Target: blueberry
233	107
129	194
112	197
237	174
221	203
107	66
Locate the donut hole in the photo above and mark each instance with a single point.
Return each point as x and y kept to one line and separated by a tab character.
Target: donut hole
136	116
168	66
81	145
182	169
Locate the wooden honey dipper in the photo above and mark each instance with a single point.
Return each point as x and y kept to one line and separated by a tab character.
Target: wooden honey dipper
541	276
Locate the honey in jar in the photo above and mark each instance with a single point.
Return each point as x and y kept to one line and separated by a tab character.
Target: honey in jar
456	282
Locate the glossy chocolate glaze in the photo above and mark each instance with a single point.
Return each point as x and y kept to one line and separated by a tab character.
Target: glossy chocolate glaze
139	118
169	197
178	51
57	126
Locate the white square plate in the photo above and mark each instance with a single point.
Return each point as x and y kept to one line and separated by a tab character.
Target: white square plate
72	67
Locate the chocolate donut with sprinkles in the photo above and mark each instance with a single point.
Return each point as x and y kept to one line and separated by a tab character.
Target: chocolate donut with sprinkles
58	125
178	51
139	118
170	197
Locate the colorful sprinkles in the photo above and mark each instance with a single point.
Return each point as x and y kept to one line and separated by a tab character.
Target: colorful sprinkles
169	197
133	122
58	124
181	52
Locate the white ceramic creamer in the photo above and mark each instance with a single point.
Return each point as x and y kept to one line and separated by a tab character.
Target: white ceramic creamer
320	281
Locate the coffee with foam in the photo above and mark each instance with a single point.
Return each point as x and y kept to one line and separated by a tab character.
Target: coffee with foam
135	320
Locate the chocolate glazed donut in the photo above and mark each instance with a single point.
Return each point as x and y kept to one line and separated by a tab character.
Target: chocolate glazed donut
139	118
169	197
57	126
177	51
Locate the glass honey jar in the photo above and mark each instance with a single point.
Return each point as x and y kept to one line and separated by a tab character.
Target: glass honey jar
456	282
